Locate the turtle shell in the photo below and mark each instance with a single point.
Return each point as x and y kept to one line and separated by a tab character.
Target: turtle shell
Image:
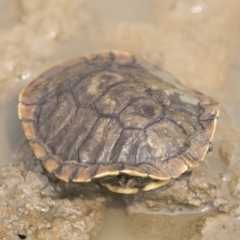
110	114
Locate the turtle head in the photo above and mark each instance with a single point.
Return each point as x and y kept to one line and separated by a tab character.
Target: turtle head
127	184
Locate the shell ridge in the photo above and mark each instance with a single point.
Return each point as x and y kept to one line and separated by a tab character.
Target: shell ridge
85	140
84	76
95	171
133	100
76	137
57	121
76	128
106	90
173	121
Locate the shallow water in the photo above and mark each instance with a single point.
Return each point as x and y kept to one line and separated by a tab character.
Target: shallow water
197	41
11	131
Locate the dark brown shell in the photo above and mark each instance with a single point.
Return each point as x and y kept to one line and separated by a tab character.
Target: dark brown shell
109	113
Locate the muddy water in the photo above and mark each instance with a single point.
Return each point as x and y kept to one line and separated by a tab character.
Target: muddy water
11	131
197	41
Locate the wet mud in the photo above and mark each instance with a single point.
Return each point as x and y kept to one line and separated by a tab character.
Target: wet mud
34	205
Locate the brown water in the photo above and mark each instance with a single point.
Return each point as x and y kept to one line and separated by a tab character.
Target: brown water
11	131
196	40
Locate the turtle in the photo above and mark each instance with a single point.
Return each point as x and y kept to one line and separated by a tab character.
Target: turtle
115	119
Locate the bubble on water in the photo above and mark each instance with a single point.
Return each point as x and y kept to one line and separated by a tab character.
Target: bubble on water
196	9
25	75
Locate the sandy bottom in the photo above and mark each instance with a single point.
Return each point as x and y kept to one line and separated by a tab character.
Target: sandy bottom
198	42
